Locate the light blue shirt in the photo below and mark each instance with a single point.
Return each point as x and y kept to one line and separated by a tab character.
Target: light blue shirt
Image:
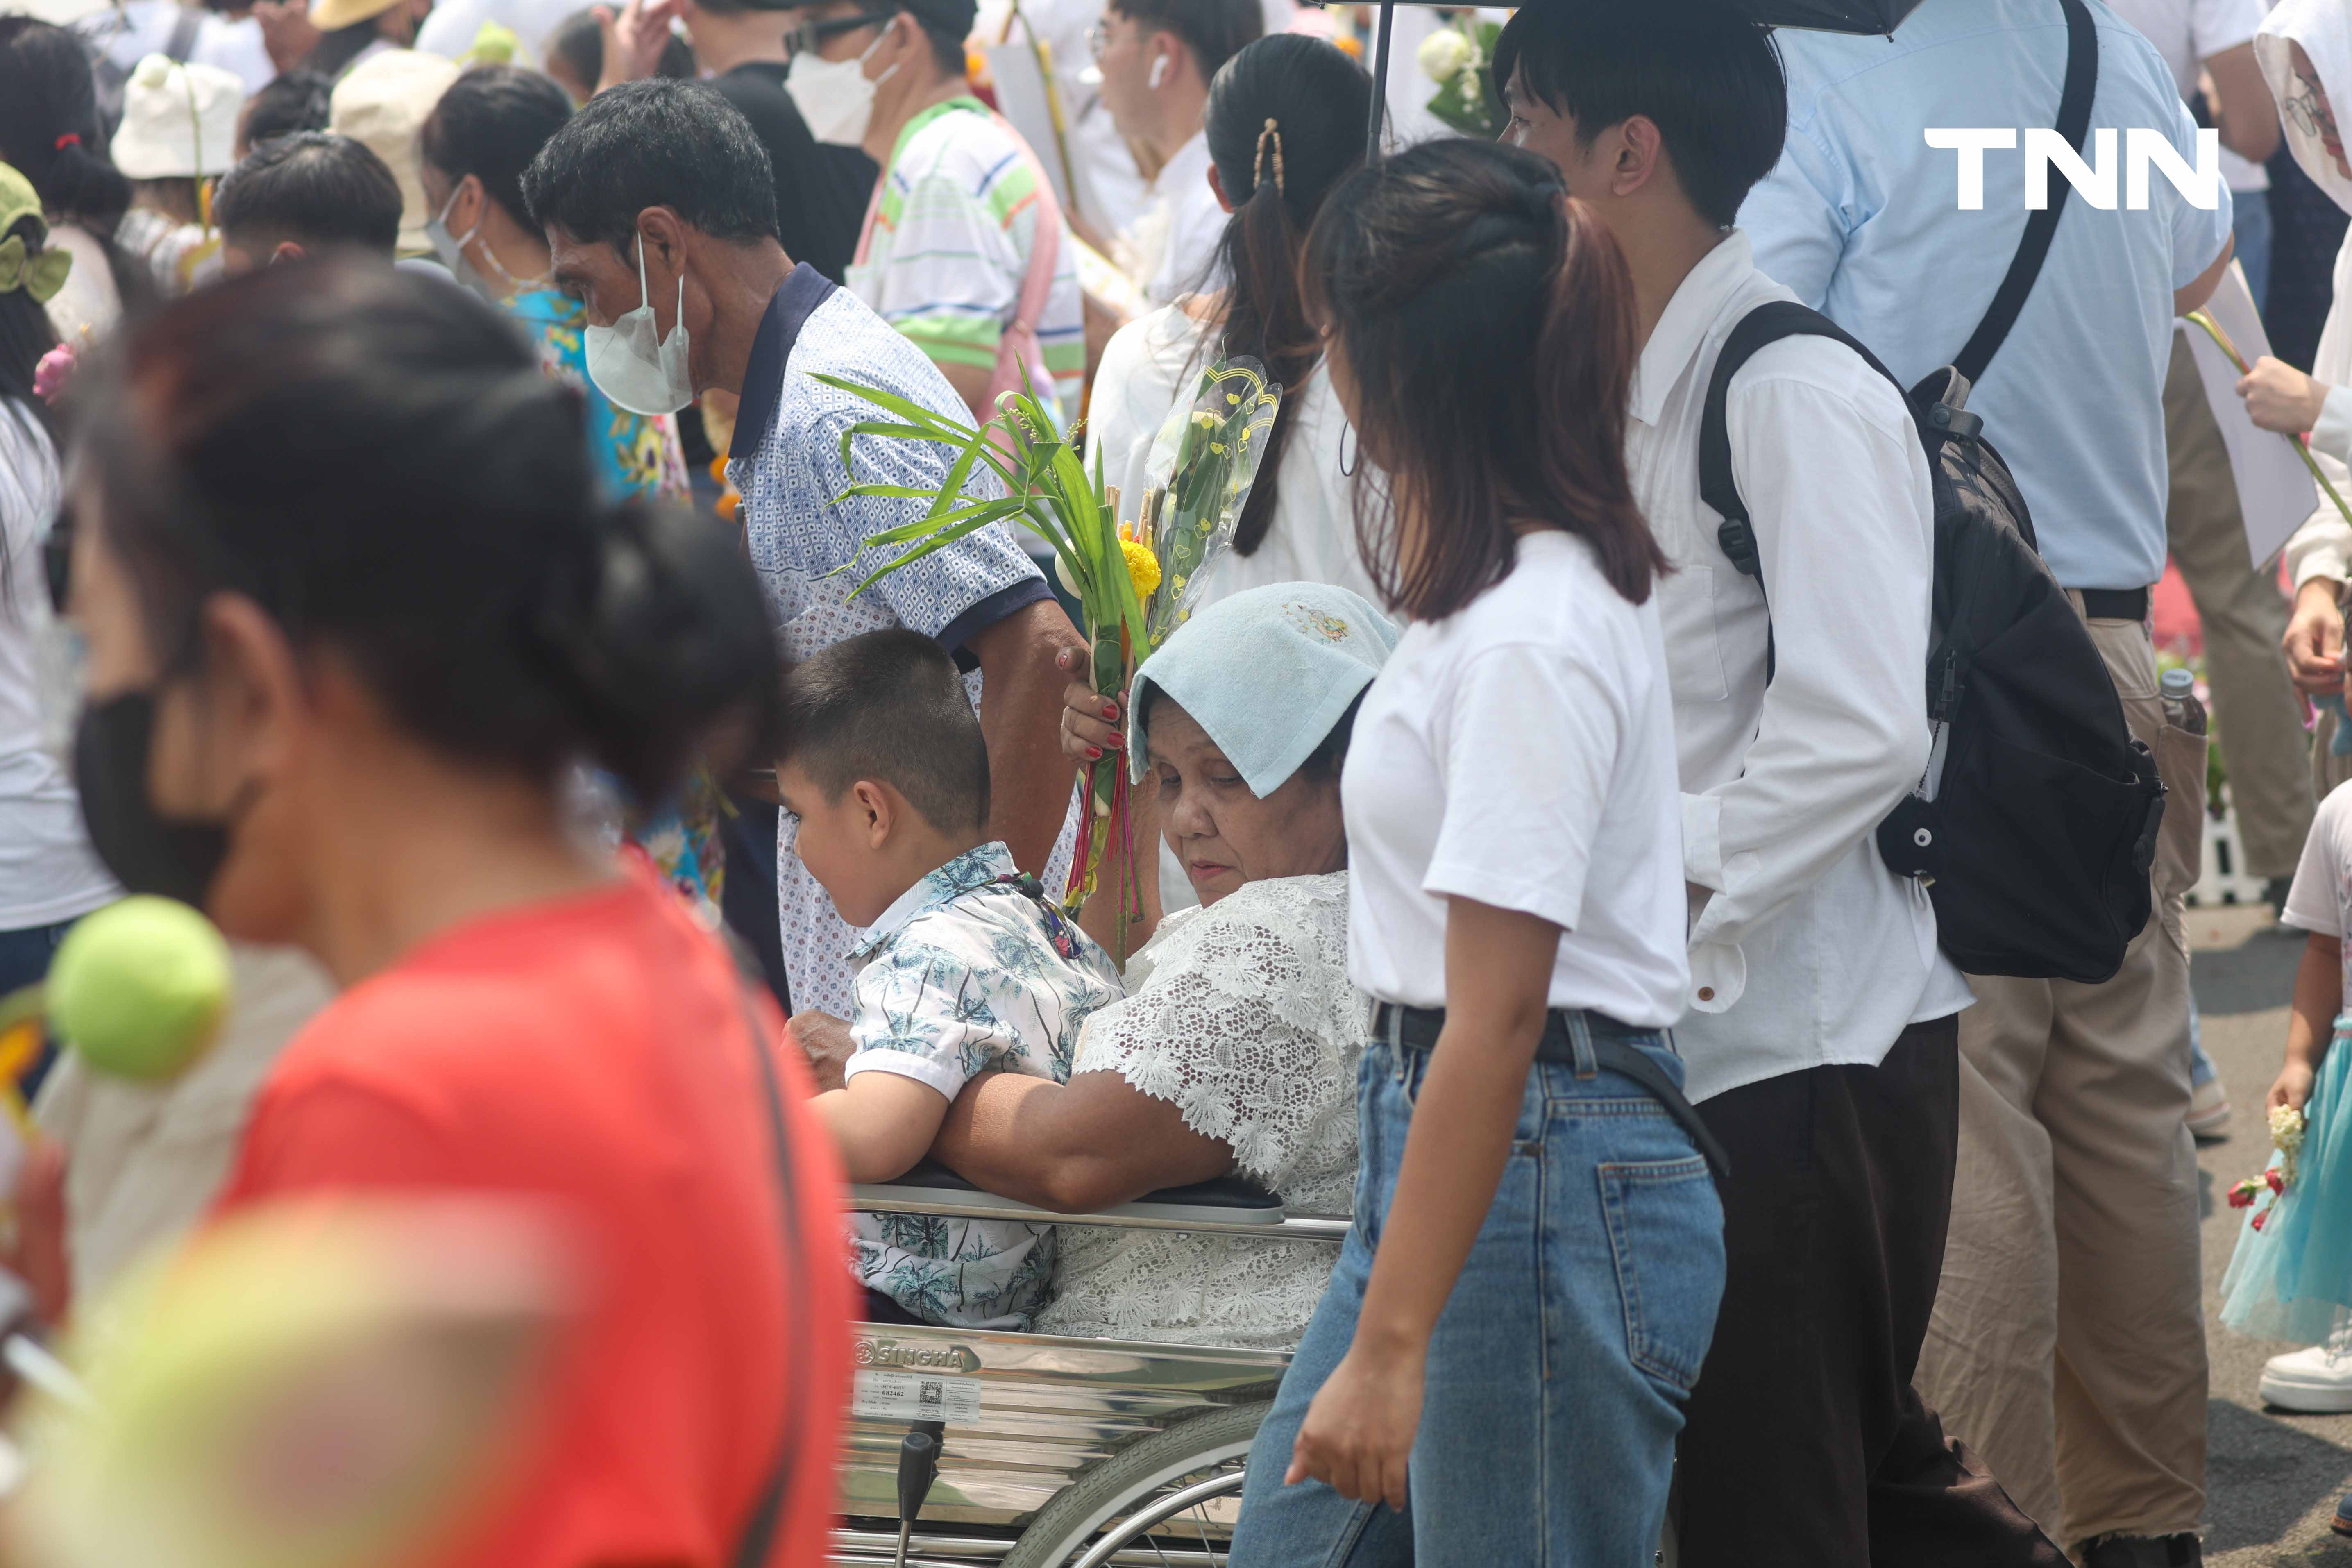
1861	219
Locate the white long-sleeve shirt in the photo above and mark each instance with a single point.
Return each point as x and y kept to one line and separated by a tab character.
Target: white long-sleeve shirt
1808	950
2322	547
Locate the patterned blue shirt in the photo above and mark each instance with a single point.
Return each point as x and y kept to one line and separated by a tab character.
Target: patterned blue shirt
970	971
786	462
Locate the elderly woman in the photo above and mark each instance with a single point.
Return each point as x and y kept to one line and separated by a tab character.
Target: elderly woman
1234	1050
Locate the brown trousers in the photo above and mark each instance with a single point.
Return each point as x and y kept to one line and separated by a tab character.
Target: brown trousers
2067	1346
2257	716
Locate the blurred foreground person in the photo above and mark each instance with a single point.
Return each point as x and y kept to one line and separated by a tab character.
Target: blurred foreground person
409	1341
333	695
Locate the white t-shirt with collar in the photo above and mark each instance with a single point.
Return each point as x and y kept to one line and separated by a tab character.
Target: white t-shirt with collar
1809	952
1520	752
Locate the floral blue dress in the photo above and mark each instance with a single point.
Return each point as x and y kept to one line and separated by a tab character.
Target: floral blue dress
635	453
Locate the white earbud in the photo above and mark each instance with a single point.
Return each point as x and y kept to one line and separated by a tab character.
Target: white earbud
1158	72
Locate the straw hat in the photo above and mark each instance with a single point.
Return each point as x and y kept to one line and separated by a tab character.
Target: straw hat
178	119
328	14
384	103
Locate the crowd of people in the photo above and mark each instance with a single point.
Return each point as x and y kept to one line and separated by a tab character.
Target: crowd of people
437	537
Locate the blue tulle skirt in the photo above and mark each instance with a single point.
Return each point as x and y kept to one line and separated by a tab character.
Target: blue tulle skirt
2289	1280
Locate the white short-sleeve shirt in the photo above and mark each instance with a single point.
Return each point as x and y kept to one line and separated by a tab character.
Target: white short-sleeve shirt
2320	900
1521	752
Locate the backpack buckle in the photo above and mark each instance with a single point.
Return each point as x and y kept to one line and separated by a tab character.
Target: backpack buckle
1737	540
1957	424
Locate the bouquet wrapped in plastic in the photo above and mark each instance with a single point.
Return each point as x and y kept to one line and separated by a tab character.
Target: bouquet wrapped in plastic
1135	580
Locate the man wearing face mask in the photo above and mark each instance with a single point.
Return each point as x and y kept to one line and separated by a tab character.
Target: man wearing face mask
661	220
964	248
475	144
1157	59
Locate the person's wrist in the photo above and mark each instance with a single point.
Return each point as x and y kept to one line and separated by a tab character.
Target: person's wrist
2315	593
1390	1339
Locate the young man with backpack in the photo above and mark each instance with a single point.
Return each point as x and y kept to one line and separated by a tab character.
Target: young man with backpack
2068	1344
1821	1041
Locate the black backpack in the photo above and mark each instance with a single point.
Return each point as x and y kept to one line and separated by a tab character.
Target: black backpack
2035	826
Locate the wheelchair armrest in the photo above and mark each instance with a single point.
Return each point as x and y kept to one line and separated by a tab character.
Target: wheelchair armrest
1227	1200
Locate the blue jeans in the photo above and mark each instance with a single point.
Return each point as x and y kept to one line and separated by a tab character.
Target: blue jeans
1557	1373
2249	225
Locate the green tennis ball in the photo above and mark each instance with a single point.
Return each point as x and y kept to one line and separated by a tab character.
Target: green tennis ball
139	988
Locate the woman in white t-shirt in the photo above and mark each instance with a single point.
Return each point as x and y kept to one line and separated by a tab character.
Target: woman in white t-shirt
48	877
1531	1282
1284	124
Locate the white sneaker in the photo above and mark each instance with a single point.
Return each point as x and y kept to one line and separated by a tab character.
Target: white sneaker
2317	1381
2209	1110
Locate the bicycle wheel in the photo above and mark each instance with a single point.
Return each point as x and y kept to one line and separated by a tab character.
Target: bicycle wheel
1167	1501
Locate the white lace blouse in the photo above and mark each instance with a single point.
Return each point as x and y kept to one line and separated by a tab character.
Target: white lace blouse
1242	1016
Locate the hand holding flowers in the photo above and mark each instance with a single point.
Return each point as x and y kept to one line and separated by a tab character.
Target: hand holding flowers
1135	581
2286	1126
2282	398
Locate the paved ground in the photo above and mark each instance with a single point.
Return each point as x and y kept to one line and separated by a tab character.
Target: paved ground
2275	1477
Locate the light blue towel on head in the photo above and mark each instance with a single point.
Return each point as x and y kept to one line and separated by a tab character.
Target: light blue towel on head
1266	673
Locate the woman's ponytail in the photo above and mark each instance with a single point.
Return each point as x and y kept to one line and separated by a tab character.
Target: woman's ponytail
661	632
437	524
1584	358
50	133
1487	325
1284	124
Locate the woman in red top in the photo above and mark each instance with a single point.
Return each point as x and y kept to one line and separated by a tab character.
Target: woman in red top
352	608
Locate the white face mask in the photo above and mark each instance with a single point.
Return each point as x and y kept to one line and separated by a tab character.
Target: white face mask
835	96
451	249
631	365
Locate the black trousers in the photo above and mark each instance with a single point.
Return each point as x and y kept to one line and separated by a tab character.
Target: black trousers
1807	1445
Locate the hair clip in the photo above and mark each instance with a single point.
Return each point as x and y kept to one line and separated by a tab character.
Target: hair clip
1273	132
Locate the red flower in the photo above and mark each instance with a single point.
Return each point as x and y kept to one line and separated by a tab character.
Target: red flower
2260	1217
2241	1196
2278	1182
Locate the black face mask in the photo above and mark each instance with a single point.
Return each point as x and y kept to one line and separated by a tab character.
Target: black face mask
147	853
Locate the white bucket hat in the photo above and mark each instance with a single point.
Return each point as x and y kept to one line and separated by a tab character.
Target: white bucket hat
384	103
178	120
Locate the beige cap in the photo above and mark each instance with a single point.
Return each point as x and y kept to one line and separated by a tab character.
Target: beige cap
328	14
384	102
178	119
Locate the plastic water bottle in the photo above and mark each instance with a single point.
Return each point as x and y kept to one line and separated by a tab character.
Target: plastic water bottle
2181	709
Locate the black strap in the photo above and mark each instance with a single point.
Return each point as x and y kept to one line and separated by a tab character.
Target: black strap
1768	324
759	1533
1785	318
2074	125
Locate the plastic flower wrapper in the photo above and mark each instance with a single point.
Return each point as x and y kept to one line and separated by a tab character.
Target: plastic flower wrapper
320	1384
1460	60
1202	465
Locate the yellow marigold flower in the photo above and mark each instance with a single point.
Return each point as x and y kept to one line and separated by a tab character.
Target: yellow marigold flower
1143	567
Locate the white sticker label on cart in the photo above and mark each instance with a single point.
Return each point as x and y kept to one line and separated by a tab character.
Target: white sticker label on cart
911	1396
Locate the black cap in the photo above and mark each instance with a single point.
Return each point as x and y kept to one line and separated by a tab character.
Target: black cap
953	19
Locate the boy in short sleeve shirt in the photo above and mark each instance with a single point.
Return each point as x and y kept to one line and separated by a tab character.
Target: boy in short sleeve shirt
966	972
